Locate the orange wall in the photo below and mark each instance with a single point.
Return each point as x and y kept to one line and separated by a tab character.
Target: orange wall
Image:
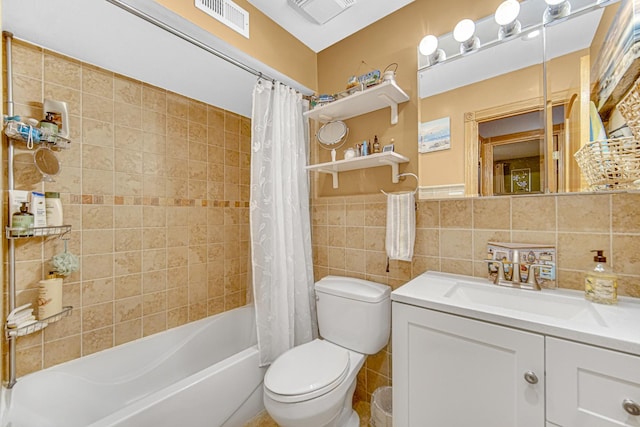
267	41
392	39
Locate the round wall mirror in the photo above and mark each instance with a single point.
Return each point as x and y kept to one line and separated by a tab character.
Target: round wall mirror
47	163
332	134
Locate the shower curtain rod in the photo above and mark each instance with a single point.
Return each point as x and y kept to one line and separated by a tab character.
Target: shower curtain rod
189	39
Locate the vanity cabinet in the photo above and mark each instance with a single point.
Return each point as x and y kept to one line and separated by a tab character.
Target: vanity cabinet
450	370
454	371
589	386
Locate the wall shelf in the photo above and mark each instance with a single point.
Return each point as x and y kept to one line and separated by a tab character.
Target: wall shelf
388	158
18	233
385	94
38	325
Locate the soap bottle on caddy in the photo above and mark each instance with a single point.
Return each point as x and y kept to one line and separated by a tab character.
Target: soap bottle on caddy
601	285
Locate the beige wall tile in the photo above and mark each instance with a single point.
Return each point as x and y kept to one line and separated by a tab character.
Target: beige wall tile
128	286
626	254
127	115
573	250
27	60
177	105
98	132
97	291
97	108
533	213
97	266
625	213
96	81
96	340
154	99
97	316
127	90
589	213
97	182
127	331
61	70
126	263
492	213
456	244
455	213
62	350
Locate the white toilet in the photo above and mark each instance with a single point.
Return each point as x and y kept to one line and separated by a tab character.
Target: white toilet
312	385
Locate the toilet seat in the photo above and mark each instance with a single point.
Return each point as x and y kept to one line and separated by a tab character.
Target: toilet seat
307	371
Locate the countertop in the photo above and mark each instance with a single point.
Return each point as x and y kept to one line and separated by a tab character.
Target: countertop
554	312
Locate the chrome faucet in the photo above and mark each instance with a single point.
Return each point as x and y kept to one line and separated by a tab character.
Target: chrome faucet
516	265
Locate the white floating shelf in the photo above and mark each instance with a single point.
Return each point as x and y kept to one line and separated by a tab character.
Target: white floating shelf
385	94
389	158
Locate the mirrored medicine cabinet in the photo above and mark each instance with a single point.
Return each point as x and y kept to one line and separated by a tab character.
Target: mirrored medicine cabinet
519	108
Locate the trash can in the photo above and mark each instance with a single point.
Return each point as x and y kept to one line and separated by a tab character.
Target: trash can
381	407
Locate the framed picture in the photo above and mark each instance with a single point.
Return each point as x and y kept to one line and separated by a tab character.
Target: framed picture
434	135
387	148
521	180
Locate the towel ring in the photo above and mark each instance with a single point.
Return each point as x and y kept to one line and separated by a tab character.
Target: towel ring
406	174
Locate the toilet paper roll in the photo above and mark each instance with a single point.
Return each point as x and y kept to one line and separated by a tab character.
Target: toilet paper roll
49	298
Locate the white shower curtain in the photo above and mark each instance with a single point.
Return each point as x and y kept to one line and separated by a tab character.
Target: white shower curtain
280	226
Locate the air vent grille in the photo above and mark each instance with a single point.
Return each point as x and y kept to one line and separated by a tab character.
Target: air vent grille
320	11
227	12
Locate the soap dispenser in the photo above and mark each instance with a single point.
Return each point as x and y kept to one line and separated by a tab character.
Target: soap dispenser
600	284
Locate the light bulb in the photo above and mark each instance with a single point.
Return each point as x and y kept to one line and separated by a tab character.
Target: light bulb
464	30
507	12
428	45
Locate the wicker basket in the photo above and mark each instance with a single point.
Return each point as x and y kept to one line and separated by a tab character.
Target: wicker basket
610	164
629	108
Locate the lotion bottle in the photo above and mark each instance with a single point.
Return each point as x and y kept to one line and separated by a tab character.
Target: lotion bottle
49	296
601	285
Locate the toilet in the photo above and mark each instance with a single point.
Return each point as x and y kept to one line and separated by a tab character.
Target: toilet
312	385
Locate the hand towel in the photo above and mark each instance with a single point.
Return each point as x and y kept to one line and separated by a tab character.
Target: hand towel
401	226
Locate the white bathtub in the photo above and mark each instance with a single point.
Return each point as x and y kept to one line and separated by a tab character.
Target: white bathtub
204	373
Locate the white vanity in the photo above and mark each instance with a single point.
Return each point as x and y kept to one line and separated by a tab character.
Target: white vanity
470	353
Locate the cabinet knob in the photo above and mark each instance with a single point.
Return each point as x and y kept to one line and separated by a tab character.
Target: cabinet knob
631	407
531	377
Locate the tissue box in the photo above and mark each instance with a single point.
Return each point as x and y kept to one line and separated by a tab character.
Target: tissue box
528	253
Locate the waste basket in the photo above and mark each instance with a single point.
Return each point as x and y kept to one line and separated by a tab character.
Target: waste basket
381	407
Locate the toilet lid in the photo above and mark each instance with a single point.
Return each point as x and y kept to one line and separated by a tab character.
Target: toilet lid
307	371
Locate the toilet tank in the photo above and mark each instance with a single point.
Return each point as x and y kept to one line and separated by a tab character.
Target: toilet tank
354	313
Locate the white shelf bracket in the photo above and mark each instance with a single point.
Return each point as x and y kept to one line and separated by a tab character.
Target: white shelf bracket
393	105
335	179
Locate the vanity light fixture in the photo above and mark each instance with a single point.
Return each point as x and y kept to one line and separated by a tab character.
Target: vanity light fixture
507	17
429	48
464	33
556	9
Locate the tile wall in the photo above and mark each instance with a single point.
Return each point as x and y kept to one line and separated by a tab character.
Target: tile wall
451	236
156	188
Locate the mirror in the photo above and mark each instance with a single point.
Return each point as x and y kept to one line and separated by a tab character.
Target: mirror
538	83
47	163
333	134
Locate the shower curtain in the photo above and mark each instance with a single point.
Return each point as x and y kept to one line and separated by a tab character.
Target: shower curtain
279	221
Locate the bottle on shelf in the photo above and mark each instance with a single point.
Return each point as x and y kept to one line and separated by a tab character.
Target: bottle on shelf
49	296
22	220
376	145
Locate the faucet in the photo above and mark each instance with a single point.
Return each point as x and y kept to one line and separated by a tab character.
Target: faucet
513	278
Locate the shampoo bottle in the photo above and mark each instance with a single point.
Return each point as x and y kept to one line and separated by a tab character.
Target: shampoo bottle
600	284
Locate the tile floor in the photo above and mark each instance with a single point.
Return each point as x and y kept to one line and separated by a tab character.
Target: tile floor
264	420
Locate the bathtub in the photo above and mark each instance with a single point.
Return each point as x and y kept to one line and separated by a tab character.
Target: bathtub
204	373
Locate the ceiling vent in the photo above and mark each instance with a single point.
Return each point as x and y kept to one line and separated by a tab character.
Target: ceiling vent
227	12
321	11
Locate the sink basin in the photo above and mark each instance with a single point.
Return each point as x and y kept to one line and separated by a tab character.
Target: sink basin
540	303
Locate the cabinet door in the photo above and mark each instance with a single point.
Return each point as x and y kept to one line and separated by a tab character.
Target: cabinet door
456	372
586	385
